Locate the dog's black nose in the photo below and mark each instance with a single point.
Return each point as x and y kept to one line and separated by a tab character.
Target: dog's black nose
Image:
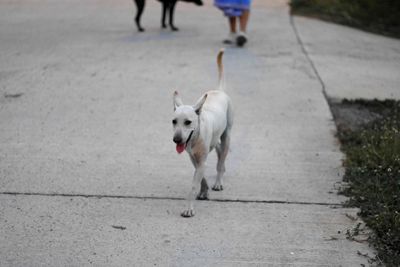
177	139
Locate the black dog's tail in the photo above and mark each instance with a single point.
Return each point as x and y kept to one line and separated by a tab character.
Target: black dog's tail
221	78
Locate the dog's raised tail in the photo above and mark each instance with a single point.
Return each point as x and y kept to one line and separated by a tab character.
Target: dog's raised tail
221	78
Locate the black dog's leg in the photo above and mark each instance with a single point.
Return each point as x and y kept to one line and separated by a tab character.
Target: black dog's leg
165	7
171	15
140	8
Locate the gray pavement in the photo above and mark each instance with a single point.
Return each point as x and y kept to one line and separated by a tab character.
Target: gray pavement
352	63
86	149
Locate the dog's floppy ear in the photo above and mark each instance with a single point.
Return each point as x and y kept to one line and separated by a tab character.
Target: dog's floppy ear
177	100
197	107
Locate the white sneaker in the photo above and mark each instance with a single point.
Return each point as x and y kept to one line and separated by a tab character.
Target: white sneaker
230	39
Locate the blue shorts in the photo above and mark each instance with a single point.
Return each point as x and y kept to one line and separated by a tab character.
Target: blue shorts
233	8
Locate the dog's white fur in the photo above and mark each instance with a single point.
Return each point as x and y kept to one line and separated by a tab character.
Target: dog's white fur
200	128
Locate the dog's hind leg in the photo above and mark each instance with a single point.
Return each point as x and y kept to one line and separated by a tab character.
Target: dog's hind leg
140	8
203	194
222	151
223	148
171	15
165	7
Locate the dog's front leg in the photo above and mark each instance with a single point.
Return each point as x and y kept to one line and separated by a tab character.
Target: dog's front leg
198	176
171	16
140	7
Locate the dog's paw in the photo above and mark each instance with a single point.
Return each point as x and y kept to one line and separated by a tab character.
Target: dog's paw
175	29
218	187
202	196
188	213
141	29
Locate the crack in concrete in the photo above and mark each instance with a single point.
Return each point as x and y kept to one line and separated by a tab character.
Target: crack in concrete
312	64
169	198
303	49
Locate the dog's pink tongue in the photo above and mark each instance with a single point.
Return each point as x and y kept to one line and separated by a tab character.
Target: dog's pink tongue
180	148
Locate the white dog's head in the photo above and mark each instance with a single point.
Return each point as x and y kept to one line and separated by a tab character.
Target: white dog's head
185	121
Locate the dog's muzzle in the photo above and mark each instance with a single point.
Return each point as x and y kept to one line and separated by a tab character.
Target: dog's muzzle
177	140
180	147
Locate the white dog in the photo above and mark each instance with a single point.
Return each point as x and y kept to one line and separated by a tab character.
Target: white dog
200	128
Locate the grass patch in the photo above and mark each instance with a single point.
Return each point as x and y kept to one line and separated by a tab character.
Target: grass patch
372	168
378	16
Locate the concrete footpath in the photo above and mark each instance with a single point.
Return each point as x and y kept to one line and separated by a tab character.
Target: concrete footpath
88	170
352	63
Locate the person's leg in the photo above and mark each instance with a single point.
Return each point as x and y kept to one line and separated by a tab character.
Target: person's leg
232	31
243	19
232	24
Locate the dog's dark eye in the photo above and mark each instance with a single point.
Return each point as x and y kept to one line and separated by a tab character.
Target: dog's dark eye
174	122
187	123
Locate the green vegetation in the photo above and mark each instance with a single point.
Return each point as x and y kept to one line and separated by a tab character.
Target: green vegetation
379	16
373	172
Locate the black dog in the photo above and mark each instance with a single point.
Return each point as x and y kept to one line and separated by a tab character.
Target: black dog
168	5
